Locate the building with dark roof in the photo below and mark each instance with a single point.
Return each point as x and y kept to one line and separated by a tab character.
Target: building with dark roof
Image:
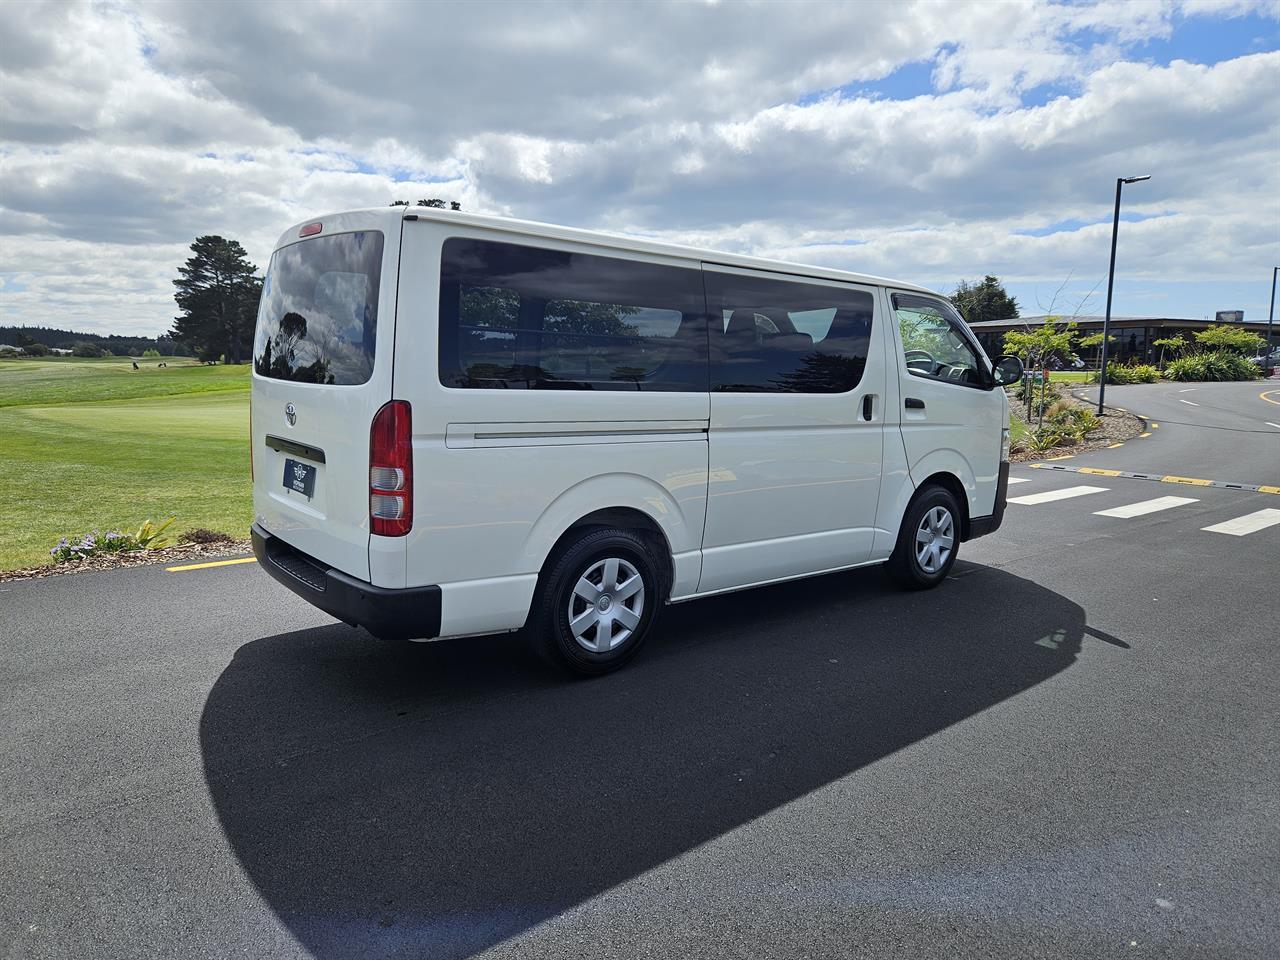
1133	335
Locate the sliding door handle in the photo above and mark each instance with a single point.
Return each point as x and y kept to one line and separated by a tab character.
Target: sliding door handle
866	406
914	404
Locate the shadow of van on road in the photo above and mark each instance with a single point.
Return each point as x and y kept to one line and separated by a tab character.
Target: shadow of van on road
438	799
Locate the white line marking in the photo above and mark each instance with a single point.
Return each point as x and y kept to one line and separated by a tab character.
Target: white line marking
1064	494
1188	402
1187	390
1249	523
1027	479
1144	507
1270	424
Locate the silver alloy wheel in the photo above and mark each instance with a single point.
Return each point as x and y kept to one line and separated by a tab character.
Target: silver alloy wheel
606	604
934	539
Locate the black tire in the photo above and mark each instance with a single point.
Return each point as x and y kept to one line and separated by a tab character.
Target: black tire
549	630
904	565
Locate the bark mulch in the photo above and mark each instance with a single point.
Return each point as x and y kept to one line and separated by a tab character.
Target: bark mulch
1116	427
179	553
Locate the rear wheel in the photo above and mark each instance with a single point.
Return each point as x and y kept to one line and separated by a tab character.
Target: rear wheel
596	602
928	540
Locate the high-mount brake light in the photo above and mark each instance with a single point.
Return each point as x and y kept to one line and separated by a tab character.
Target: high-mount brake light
311	229
391	470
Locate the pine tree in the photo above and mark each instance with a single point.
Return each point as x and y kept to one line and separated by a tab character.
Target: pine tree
986	300
217	292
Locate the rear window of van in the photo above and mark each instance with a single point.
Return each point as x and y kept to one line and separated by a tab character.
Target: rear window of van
318	316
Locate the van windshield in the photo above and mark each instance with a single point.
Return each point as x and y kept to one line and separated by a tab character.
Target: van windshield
318	317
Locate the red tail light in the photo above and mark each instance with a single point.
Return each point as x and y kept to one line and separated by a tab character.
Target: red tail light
391	471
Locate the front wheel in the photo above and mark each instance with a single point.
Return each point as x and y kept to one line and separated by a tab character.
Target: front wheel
928	541
596	603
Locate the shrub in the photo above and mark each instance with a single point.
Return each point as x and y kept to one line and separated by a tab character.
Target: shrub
151	353
201	535
1213	365
94	544
1138	373
83	348
36	350
8	353
1045	438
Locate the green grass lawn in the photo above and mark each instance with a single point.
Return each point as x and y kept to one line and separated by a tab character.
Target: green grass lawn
88	444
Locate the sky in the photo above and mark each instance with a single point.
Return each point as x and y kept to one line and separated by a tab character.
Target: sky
926	141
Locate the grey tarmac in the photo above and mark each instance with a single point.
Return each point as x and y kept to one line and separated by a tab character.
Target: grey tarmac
1067	750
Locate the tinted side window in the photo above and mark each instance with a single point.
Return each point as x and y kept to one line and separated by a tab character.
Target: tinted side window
522	317
934	343
786	337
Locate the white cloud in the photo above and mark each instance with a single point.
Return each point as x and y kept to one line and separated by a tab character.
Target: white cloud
130	129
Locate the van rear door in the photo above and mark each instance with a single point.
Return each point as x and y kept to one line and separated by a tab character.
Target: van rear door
321	370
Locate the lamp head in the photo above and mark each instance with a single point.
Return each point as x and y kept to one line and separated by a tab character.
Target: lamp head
1135	179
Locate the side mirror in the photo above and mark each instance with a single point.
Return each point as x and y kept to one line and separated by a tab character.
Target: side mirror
1006	370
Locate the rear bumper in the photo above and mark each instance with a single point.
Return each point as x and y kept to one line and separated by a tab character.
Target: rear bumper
412	613
981	526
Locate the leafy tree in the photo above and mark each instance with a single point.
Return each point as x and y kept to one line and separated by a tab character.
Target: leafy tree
35	349
84	348
1171	345
217	292
1227	338
985	300
151	354
1095	340
1034	346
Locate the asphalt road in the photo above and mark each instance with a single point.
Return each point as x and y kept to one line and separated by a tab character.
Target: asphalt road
1067	750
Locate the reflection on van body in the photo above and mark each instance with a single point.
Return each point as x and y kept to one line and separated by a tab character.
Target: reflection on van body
516	425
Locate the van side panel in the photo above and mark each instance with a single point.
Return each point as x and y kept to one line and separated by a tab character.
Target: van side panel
795	476
500	475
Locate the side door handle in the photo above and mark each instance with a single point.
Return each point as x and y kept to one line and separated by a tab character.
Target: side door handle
866	406
914	404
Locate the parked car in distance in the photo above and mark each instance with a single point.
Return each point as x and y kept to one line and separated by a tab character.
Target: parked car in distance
463	425
1271	359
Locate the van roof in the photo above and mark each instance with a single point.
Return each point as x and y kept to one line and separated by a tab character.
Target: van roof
616	241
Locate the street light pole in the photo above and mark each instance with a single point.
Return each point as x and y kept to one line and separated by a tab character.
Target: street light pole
1111	277
1271	312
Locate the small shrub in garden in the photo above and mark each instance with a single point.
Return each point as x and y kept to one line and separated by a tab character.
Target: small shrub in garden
1045	438
95	544
201	535
1138	373
1213	365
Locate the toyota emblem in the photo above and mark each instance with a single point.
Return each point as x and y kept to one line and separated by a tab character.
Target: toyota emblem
290	414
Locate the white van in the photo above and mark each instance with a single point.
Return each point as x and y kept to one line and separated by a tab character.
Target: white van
463	425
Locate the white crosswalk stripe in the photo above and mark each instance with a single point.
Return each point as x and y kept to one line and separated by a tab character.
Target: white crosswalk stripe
1019	480
1051	495
1249	523
1143	507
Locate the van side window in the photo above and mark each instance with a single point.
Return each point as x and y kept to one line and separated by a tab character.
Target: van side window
784	336
934	343
517	317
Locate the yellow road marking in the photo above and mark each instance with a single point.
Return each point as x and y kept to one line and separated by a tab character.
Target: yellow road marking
1064	457
1141	435
1269	489
1114	445
1266	395
212	563
1155	426
1191	480
1035	466
1098	471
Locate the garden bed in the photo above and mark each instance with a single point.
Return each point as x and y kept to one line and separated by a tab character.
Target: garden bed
1114	426
179	553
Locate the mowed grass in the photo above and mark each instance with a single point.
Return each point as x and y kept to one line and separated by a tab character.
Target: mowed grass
74	380
176	446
